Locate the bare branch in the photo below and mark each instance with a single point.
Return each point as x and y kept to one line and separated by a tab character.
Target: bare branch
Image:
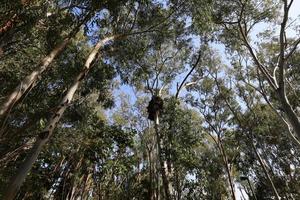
294	48
189	73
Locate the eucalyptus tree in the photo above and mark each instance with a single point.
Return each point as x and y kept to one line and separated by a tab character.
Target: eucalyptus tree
266	147
208	96
213	119
76	165
154	65
57	42
259	133
44	136
32	114
159	69
132	115
18	16
185	160
271	56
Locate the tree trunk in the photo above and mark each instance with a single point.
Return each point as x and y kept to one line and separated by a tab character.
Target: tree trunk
88	184
225	160
151	193
177	184
157	187
161	162
30	80
289	112
261	162
14	154
44	136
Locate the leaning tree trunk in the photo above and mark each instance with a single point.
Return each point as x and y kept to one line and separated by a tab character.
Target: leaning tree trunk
30	80
225	160
262	164
162	166
45	135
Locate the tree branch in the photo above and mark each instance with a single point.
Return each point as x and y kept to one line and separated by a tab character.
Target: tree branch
189	73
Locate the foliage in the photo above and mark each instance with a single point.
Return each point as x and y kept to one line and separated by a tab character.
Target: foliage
228	75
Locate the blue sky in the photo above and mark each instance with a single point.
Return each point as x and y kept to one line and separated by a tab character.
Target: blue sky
294	13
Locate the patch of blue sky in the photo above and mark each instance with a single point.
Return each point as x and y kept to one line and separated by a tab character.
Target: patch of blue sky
292	31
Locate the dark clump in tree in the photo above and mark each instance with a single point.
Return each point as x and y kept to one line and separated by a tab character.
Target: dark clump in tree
155	106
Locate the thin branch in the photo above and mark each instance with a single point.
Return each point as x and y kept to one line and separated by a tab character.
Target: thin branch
295	45
263	93
261	67
189	73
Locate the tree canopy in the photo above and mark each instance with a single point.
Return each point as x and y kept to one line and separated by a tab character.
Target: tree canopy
148	99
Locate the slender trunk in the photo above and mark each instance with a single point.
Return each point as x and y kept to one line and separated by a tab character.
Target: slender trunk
177	184
168	148
282	65
88	183
151	193
161	162
289	112
44	136
23	170
225	160
261	162
158	190
13	155
242	195
251	188
85	180
30	80
72	194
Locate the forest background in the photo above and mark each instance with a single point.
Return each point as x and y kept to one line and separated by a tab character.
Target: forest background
146	99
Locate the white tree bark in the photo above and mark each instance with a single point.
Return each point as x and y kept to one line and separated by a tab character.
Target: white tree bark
44	136
166	183
30	80
278	84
